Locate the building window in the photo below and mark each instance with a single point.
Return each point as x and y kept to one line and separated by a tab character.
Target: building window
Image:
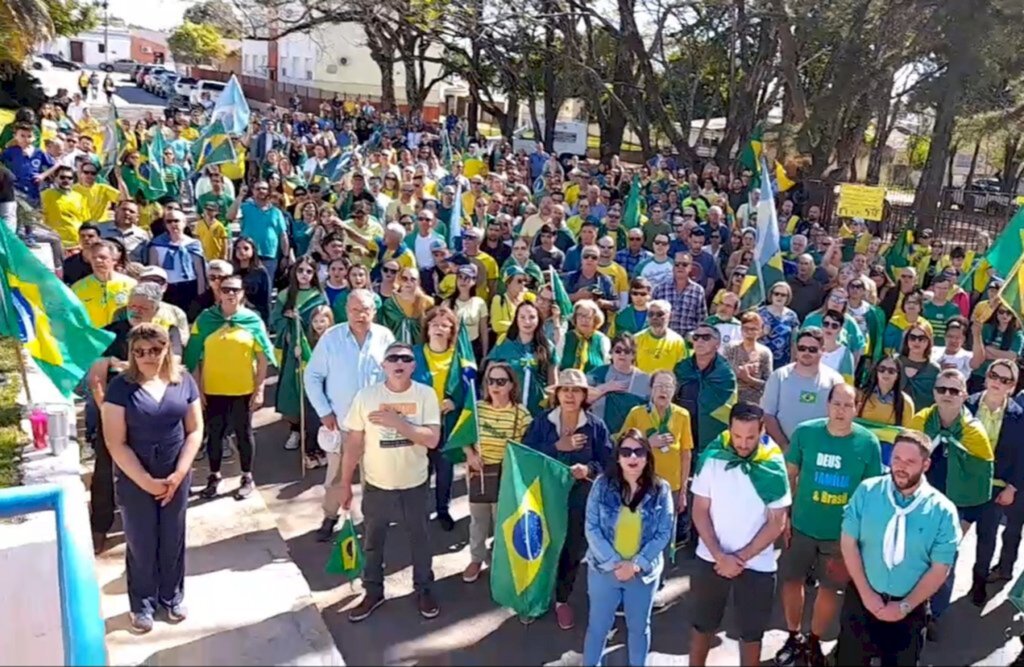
284	71
101	47
309	69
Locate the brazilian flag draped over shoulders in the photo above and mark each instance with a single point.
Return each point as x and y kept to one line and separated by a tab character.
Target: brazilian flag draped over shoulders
48	319
532	518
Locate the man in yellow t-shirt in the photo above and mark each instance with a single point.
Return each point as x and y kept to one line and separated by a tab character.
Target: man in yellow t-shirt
212	234
607	265
99	197
64	210
231	374
658	348
106	290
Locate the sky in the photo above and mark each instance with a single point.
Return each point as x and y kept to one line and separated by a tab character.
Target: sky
152	14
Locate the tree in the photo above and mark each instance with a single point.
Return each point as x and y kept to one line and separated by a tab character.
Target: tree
193	43
25	23
217	13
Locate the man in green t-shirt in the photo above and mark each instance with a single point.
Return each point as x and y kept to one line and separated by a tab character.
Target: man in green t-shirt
939	309
217	196
827	460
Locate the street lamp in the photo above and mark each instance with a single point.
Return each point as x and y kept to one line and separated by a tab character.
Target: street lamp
105	6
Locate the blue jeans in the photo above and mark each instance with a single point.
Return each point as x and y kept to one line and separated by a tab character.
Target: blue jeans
270	264
940	601
606	593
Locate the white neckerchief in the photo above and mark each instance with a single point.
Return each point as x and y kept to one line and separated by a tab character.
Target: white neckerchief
894	544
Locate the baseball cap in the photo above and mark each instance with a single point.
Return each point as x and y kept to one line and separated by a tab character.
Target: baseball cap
438	244
153	272
468	270
471	232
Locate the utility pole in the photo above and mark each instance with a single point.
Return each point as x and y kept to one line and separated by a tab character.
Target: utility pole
105	4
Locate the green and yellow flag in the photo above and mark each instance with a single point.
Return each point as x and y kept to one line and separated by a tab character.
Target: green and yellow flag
49	320
886	434
632	212
766	466
897	255
532	519
460	386
347	554
750	156
1004	254
561	296
1012	291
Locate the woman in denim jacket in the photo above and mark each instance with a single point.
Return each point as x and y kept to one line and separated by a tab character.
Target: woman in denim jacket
629	523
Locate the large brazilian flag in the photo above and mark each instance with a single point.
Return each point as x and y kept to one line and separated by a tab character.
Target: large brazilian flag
886	434
48	319
533	502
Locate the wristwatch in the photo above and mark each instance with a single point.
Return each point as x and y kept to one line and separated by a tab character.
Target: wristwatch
905	607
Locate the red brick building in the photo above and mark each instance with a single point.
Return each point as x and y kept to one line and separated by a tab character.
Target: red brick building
149	47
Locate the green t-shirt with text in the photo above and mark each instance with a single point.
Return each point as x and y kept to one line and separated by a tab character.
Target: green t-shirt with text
937	316
831	468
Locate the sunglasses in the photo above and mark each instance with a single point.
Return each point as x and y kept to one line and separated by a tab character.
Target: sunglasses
948	391
702	336
831	325
1006	381
632	453
639	292
888	370
389	271
808	348
621	350
916	338
497	382
661	243
782	294
399	359
151	352
88	173
230	290
591	256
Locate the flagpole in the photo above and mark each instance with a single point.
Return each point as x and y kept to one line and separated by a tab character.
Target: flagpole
302	395
20	350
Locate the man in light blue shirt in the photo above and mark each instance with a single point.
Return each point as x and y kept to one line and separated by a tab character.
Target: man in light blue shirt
899	541
264	223
347	358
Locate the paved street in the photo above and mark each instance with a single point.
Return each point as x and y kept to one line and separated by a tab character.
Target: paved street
470	629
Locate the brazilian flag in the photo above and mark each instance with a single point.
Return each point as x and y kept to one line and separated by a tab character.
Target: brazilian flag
750	156
886	434
561	296
48	319
347	553
532	519
460	387
632	213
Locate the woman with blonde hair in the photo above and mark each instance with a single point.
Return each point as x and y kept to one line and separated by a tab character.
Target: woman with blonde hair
153	426
403	312
586	348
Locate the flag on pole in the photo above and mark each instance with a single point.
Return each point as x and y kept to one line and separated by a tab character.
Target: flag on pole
782	180
347	554
461	424
455	222
49	320
766	269
631	213
897	255
561	296
750	156
1012	291
1002	256
231	108
112	140
447	154
213	146
532	518
336	167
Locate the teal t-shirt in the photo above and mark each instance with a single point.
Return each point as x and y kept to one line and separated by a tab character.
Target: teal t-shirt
831	468
937	316
174	176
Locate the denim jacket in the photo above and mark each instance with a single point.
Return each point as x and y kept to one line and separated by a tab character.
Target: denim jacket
658	517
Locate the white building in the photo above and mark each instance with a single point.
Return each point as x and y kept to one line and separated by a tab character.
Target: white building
94	47
332	57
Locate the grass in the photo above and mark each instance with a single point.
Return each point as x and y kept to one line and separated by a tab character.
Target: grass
12	438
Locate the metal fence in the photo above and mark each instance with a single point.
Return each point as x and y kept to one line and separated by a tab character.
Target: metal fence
961	216
280	93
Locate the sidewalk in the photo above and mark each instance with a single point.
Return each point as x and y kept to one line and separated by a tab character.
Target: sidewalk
248	603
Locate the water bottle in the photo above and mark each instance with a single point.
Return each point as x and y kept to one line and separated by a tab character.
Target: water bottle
57	426
40	427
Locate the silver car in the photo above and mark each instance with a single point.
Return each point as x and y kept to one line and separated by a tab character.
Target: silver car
165	84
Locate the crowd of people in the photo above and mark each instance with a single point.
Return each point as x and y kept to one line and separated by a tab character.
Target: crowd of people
746	437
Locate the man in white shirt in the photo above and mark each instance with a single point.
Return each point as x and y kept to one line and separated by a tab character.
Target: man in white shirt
740	504
76	109
347	358
953	354
391	427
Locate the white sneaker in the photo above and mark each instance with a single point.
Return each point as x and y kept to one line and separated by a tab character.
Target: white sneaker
292	443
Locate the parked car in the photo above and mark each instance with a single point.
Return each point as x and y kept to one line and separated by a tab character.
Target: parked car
149	80
60	62
165	84
120	65
184	86
140	74
37	63
214	88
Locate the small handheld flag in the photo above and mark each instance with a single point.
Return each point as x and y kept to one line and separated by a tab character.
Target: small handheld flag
347	554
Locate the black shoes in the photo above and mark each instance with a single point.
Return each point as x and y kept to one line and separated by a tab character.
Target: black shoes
210	491
446	521
326	530
368	605
427	605
978	593
793	651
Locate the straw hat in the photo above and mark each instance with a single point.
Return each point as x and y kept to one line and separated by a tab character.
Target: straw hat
570	378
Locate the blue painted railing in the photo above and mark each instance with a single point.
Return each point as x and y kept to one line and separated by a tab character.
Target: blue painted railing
81	620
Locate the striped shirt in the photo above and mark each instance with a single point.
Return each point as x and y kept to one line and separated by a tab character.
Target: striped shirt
498	426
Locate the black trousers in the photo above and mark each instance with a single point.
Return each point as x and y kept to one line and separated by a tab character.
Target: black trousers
101	490
225	414
575	547
863	637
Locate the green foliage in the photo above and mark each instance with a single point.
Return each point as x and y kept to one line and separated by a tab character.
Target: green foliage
217	13
12	438
26	23
917	150
195	43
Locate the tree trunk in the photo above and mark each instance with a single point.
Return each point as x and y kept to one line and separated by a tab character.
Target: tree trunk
1011	159
949	163
883	128
974	164
929	188
387	83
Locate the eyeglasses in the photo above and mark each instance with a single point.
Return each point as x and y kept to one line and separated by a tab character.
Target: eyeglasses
638	292
1006	381
497	382
230	290
916	338
808	348
214	278
948	391
888	370
655	314
618	349
702	336
632	453
661	243
411	279
399	358
591	256
151	352
837	299
830	325
782	294
88	172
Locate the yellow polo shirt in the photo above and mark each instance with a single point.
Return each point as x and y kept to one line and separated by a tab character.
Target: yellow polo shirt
229	356
98	199
64	213
618	276
213	238
667	462
659	354
101	300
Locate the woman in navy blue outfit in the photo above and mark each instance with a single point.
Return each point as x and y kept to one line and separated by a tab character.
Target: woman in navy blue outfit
153	425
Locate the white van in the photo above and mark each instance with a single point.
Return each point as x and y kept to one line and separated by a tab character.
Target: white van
206	86
570	137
